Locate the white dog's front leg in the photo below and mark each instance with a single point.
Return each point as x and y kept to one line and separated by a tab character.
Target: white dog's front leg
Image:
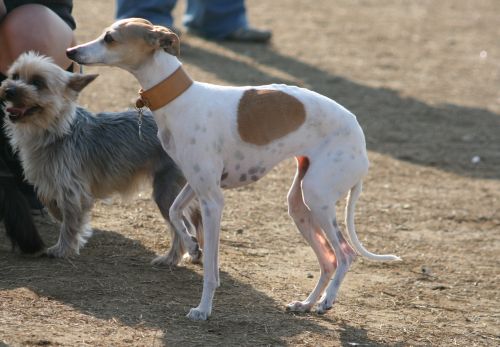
173	257
211	208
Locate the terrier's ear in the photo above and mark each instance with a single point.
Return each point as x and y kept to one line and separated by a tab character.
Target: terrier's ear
78	81
161	37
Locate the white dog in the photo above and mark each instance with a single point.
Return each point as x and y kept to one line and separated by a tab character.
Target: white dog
225	137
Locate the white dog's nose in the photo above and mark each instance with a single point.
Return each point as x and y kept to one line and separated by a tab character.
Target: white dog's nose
71	53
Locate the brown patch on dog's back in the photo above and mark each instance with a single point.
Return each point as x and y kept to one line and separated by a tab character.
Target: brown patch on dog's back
267	115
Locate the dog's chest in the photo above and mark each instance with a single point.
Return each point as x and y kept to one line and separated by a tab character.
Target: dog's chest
40	169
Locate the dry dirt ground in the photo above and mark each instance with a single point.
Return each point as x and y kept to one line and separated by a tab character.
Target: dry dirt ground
423	78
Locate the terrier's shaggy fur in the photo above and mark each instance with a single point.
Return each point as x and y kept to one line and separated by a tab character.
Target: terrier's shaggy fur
74	157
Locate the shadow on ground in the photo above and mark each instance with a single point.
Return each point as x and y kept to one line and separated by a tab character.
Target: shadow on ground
446	136
352	336
112	279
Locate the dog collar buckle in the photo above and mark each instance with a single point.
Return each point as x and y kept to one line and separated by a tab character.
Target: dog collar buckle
166	91
141	102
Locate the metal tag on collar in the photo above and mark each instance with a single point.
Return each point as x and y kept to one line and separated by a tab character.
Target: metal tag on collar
139	106
139	103
139	120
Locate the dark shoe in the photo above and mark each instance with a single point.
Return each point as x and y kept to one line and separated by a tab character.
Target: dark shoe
249	34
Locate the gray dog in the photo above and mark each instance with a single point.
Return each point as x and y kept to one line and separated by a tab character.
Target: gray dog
74	157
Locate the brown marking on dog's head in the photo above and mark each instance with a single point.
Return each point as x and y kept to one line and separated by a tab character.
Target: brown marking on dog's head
162	37
267	115
134	29
127	44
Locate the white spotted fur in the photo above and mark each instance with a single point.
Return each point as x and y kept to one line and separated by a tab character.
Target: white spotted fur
199	131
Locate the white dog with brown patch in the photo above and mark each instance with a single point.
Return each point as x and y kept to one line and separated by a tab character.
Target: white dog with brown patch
226	137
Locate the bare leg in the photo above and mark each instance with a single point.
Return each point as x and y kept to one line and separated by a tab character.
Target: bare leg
37	28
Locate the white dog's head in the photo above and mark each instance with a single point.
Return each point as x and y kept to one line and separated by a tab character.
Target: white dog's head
126	44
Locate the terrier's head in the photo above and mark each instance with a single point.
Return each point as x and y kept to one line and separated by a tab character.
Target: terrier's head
39	93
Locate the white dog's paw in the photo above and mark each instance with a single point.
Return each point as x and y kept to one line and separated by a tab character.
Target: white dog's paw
195	257
323	306
197	314
170	259
299	306
173	258
59	251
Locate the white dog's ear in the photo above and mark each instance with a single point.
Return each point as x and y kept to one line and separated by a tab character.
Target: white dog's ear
78	81
170	42
161	37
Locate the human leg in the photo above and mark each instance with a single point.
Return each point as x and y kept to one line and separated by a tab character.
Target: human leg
52	37
222	20
215	18
157	12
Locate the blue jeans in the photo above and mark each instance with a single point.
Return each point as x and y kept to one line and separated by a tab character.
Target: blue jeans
214	19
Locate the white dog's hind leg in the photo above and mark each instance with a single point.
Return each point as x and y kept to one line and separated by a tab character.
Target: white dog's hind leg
328	179
314	237
348	256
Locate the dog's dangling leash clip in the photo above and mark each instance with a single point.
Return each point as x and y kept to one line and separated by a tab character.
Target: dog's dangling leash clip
139	105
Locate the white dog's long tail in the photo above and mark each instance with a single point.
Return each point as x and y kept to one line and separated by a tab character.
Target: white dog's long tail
349	221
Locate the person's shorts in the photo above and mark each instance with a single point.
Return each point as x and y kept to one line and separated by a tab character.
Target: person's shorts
62	8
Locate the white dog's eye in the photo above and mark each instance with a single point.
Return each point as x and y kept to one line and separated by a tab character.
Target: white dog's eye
108	38
15	76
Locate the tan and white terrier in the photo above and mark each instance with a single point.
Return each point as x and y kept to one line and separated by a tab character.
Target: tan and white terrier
226	137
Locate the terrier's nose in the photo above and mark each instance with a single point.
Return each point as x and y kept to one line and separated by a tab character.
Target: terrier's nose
10	92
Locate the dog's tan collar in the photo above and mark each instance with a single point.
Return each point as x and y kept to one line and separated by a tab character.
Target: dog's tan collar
165	91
